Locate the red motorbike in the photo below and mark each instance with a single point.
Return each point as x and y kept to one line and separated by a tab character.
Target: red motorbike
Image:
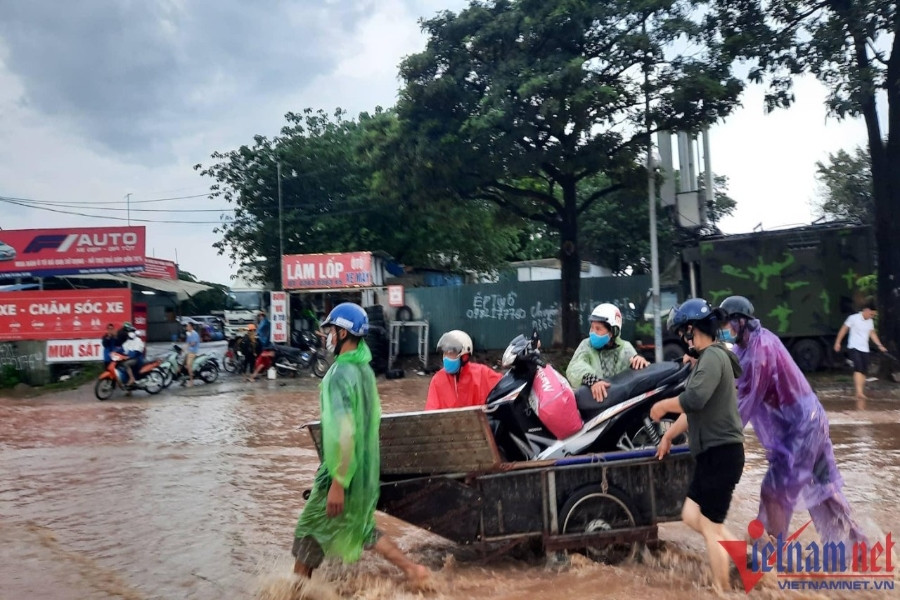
147	377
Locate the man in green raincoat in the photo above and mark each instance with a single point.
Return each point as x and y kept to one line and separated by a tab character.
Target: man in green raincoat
339	517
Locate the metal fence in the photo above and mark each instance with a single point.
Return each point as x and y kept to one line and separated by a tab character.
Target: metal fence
495	313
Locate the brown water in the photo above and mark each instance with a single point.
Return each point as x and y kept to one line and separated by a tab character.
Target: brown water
194	494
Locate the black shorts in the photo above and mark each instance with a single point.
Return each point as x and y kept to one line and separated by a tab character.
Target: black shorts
860	360
718	470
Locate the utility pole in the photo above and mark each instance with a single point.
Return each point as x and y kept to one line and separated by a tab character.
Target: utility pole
651	200
128	200
280	230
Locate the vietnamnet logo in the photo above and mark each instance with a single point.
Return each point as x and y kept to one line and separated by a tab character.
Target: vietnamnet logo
813	566
63	242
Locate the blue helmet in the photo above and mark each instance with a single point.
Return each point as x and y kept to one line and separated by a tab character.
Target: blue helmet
349	316
695	309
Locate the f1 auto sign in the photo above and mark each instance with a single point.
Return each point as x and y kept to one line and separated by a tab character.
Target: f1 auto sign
62	314
71	251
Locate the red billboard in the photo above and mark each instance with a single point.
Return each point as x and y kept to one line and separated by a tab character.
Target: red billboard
158	268
320	271
62	314
71	251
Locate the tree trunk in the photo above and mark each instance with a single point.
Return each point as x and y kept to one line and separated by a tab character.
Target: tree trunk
886	187
570	261
887	215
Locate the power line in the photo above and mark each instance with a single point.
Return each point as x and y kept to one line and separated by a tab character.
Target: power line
220	222
86	203
108	217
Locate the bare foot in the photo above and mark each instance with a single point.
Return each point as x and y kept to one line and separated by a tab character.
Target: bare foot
419	577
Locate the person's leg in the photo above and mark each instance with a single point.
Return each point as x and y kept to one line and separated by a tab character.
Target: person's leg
190	368
777	498
712	533
418	575
308	555
860	372
859	382
129	370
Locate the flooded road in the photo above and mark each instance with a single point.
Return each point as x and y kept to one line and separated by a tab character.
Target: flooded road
194	493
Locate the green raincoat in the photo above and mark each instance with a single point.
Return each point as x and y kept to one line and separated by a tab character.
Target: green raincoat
602	363
351	416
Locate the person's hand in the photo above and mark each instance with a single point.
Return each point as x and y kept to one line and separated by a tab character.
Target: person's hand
657	411
688	359
837	347
639	362
599	390
665	445
882	348
335	500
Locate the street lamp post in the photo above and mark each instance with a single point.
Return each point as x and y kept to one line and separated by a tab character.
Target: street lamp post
280	230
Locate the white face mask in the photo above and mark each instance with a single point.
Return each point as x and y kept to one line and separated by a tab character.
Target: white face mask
330	343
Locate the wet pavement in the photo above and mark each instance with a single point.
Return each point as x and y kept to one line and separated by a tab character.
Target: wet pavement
194	493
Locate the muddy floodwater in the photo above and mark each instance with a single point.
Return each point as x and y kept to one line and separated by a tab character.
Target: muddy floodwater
194	493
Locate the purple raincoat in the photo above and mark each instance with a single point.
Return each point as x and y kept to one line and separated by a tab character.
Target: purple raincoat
791	424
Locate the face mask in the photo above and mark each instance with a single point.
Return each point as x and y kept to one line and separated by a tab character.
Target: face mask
598	341
726	336
329	342
452	365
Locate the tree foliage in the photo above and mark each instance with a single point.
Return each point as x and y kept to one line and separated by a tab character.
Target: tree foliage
847	187
853	47
330	202
525	103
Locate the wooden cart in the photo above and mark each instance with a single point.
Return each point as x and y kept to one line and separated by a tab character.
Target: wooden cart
441	471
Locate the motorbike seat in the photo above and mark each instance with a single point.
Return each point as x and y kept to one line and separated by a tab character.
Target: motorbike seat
149	366
629	384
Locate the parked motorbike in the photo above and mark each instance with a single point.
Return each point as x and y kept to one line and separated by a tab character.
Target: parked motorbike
620	422
172	367
233	360
289	361
147	377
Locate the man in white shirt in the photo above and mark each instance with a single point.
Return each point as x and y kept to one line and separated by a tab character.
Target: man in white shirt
862	329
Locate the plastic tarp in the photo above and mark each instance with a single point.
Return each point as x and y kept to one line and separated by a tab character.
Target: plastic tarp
182	289
791	424
351	416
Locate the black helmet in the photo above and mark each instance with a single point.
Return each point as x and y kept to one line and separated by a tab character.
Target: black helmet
695	309
737	306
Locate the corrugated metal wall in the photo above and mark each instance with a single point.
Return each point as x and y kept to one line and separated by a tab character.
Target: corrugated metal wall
493	314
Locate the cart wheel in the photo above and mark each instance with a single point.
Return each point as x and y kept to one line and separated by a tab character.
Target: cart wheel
590	509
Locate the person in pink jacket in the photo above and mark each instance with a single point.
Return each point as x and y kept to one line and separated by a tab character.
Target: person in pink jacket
461	382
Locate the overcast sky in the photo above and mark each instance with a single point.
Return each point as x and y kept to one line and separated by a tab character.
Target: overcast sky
99	99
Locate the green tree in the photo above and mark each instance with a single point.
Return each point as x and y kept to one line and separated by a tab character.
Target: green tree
853	47
329	203
519	102
847	187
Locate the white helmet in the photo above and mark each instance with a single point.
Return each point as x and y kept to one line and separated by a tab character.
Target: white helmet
609	314
455	341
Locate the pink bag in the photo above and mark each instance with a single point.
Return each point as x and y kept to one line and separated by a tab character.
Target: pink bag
554	403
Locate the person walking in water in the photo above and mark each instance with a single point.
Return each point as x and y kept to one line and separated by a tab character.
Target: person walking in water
861	329
709	414
339	517
791	424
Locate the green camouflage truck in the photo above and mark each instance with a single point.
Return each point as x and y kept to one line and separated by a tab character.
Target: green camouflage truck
802	282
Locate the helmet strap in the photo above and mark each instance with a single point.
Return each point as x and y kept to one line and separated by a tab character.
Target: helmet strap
338	341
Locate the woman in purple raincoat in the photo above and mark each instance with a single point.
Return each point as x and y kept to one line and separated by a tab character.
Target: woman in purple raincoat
792	426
